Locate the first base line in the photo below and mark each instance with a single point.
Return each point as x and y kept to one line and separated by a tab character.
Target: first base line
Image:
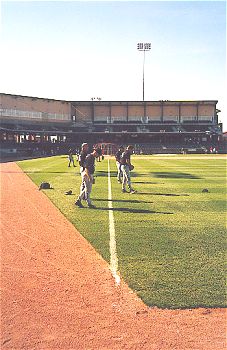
113	245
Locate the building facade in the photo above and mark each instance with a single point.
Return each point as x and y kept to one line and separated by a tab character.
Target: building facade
146	124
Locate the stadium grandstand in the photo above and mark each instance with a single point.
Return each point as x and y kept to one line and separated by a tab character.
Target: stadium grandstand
33	126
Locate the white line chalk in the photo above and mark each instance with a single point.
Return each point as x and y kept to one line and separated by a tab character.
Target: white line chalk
113	246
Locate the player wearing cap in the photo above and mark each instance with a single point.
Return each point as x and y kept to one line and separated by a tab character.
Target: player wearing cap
87	179
70	158
118	155
82	156
126	167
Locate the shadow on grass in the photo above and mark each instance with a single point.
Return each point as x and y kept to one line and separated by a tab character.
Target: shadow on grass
165	175
49	172
175	175
122	200
163	194
134	211
148	182
135	174
105	173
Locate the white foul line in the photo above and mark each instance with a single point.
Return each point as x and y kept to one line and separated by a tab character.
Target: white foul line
113	246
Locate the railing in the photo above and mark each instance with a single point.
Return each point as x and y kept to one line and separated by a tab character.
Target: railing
205	118
201	118
116	119
170	119
15	113
101	119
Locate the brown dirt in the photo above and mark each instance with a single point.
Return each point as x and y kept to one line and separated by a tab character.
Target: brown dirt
58	293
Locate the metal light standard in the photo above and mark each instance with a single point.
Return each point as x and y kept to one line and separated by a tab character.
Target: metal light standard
96	98
143	47
93	106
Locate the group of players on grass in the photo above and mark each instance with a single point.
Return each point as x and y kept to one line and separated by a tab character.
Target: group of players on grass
87	168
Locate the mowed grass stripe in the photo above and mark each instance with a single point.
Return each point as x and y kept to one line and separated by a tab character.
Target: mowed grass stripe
170	236
177	226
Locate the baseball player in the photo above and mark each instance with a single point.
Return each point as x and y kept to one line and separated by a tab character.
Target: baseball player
118	155
70	158
87	179
82	156
126	167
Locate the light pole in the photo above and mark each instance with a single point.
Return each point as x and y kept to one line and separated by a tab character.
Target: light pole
96	98
143	47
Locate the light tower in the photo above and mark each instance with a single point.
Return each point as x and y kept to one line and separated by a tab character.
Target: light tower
143	47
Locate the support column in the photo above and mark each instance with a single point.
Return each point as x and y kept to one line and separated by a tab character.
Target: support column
162	111
179	112
92	112
127	112
197	112
110	112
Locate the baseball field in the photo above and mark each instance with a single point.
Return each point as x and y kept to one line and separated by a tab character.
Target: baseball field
167	241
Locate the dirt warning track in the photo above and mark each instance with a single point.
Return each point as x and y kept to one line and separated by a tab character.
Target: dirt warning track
58	293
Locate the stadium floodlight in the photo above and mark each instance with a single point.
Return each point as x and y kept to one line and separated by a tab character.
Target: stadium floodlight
96	98
143	47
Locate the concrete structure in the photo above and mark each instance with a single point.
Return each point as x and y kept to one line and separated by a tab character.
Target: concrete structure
151	123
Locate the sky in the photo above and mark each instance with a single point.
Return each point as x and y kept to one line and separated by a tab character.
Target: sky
77	50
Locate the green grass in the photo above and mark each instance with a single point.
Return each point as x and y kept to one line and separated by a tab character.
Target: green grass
170	236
